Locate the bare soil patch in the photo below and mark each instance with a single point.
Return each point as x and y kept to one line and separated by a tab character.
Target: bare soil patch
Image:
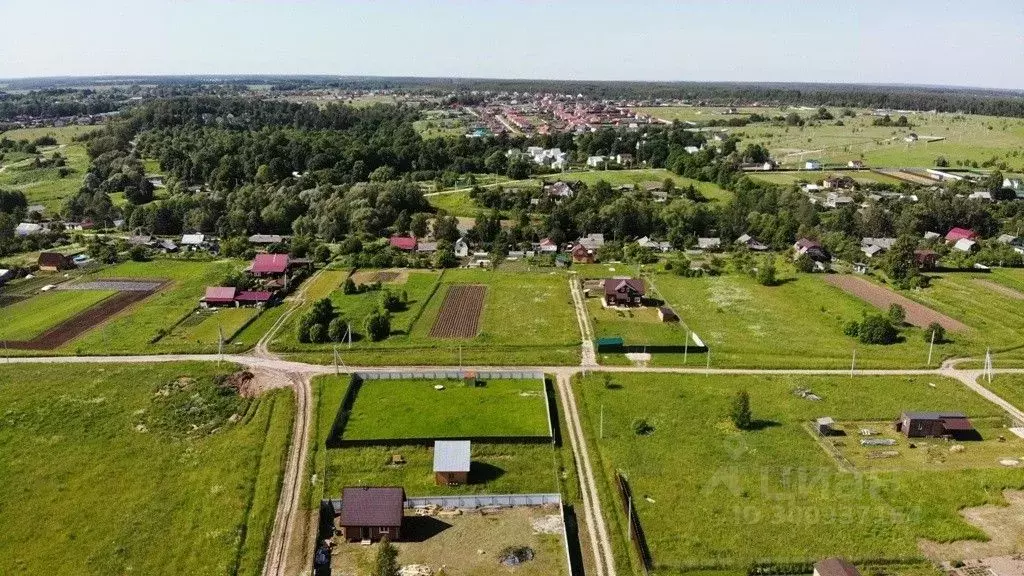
83	322
1003	524
382	276
460	312
881	298
1004	290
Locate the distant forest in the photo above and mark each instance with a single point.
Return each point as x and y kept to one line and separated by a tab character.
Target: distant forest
945	99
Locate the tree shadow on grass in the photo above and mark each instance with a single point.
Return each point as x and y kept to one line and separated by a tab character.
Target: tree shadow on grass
422	528
758	425
482	472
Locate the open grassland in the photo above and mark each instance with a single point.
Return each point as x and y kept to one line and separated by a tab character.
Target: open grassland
961	138
714	498
27	319
390	409
45	185
104	466
1009	387
527	319
131	331
206	326
63	135
798	323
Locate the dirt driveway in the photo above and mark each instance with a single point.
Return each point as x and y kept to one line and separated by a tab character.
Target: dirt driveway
881	298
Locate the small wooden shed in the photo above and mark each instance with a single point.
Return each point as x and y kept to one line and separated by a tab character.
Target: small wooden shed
451	462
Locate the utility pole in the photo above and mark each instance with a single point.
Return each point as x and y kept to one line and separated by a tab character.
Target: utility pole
707	368
930	346
220	345
686	346
853	364
602	422
629	519
988	365
336	371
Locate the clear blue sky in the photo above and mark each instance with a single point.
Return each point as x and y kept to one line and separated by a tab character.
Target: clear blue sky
965	42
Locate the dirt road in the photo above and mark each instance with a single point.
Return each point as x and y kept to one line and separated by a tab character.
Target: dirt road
882	297
588	354
604	561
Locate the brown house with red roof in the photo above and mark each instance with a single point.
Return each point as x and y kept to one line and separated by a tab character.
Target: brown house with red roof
372	513
935	425
581	253
55	262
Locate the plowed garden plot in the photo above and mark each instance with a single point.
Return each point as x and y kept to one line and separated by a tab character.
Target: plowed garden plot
460	312
82	322
382	276
882	298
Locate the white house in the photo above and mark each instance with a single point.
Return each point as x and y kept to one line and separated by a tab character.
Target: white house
691	149
965	245
646	242
812	165
193	240
28	229
709	243
596	161
980	195
461	248
623	158
834	200
1013	183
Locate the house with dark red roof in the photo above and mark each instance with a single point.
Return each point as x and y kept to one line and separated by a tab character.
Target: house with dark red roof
581	253
403	243
218	296
372	513
624	291
54	262
269	265
956	234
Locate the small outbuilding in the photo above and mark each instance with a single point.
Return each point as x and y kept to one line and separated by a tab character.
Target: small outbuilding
55	262
824	426
835	567
371	513
666	314
935	425
451	462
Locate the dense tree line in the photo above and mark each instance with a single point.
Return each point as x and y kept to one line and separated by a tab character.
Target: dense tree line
56	103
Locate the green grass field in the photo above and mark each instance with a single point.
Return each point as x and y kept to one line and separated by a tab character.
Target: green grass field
202	328
527	319
101	465
1009	387
45	185
393	409
29	318
131	330
497	468
636	326
714	498
800	322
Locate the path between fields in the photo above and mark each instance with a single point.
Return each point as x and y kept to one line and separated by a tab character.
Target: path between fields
588	356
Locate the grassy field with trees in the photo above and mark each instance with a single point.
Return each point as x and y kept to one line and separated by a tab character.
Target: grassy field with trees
744	487
116	444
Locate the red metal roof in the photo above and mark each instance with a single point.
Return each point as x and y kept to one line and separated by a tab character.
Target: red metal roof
372	506
269	264
219	294
957	424
403	242
961	233
253	296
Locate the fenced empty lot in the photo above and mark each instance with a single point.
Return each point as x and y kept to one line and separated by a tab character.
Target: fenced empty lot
460	312
881	298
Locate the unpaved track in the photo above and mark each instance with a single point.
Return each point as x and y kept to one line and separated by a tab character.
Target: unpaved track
287	517
588	354
600	544
1004	290
881	298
